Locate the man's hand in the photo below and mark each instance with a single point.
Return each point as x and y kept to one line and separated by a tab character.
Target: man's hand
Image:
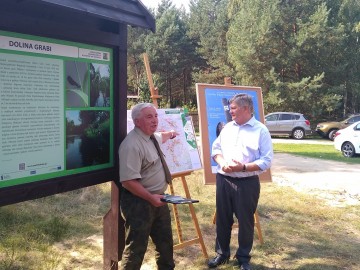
137	189
236	166
156	200
166	135
225	167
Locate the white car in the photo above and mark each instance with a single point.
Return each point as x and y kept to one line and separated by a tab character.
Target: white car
347	140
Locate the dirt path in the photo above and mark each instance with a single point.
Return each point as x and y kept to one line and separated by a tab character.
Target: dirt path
336	182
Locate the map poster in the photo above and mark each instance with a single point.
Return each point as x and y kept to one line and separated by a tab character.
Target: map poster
181	153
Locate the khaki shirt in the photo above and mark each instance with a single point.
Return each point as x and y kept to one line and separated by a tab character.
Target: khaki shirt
140	160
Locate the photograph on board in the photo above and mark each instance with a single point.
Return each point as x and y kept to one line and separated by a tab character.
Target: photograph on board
87	138
77	82
99	85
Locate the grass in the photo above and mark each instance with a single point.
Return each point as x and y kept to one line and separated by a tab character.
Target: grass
319	151
41	234
300	231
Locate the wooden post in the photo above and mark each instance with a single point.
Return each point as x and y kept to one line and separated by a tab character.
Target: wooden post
227	81
153	90
114	241
113	224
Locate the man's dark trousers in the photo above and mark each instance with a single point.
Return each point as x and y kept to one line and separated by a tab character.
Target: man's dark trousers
141	221
237	196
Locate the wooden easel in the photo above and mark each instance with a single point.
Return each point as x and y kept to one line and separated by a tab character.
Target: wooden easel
199	239
227	81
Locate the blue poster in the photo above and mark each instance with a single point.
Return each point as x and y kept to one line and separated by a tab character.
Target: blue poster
217	104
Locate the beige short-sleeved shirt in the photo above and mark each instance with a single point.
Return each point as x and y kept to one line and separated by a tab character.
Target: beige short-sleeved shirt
140	160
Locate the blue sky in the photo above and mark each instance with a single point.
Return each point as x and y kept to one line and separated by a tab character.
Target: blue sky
155	3
73	115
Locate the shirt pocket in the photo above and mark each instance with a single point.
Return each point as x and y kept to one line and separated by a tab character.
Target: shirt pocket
150	159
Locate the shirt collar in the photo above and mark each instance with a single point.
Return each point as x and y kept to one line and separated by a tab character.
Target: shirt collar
251	122
141	134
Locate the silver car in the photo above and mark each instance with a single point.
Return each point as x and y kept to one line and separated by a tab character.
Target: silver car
291	124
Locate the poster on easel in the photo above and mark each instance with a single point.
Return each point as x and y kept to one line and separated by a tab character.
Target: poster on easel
181	153
213	108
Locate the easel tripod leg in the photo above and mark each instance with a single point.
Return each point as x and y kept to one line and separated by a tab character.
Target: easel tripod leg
176	216
258	227
193	214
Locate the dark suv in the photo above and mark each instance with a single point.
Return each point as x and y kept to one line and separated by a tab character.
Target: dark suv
328	129
291	124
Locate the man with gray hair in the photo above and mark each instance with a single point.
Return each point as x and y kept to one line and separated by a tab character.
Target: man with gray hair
242	151
144	176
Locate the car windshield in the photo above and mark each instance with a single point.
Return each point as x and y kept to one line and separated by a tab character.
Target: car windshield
272	117
354	119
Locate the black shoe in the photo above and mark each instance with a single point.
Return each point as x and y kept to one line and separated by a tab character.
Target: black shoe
245	266
241	266
218	260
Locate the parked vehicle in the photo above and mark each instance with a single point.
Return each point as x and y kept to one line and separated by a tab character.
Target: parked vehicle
327	130
347	140
291	124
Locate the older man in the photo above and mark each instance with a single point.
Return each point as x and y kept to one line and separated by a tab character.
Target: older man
144	177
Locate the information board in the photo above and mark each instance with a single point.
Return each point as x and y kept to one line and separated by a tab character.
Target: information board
181	153
56	108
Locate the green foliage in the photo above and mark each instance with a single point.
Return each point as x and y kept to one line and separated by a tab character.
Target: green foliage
273	102
298	50
305	55
208	25
172	54
137	80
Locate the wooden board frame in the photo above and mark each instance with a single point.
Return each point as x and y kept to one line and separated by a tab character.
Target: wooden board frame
211	111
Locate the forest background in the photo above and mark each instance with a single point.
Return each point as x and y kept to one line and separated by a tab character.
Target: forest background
305	55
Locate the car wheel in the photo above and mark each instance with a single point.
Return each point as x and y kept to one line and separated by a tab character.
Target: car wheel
332	134
348	149
298	134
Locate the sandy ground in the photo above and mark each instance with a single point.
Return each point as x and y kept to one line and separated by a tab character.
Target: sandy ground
336	182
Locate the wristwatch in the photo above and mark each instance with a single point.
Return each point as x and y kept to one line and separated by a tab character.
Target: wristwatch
244	168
